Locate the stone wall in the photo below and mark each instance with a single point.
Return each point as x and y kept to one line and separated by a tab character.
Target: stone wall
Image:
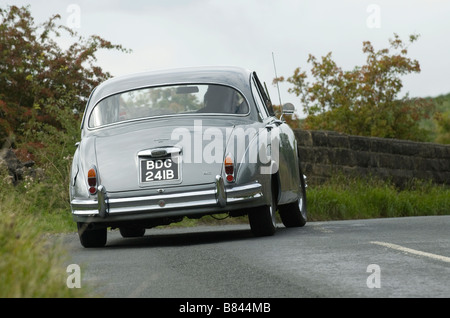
324	153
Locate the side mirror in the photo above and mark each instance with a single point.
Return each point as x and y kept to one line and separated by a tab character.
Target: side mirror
288	109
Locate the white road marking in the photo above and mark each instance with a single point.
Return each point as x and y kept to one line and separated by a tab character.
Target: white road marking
412	251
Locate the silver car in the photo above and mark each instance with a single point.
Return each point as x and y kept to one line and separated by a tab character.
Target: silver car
157	147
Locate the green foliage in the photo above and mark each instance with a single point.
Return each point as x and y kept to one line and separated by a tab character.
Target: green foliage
363	101
443	122
438	124
43	91
442	119
38	77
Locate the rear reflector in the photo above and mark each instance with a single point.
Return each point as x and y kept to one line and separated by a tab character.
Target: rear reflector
92	181
229	169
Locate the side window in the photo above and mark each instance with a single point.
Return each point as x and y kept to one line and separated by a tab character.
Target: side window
265	97
259	101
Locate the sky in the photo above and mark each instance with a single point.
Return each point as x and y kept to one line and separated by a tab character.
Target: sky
249	33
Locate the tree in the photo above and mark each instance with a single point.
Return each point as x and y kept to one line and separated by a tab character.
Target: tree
39	81
363	101
443	122
440	125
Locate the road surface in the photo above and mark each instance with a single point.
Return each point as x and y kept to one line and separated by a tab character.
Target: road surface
397	257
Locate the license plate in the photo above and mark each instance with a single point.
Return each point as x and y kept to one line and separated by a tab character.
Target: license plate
161	169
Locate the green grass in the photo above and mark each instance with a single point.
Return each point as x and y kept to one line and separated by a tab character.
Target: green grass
33	262
31	265
344	198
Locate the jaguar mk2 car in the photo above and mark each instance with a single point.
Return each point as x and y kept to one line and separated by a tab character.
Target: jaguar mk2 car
157	147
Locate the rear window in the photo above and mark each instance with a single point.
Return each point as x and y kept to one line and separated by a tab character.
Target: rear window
166	101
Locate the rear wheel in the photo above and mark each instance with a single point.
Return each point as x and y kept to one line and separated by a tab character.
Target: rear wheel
262	219
295	214
91	237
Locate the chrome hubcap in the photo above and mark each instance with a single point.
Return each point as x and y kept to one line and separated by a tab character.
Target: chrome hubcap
272	215
301	207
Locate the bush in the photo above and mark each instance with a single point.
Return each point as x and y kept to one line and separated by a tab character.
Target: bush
40	80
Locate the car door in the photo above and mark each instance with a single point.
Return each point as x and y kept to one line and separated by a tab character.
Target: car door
283	145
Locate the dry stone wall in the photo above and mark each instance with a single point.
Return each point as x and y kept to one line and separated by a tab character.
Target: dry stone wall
324	153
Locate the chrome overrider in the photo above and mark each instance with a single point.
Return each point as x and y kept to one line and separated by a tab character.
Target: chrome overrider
217	198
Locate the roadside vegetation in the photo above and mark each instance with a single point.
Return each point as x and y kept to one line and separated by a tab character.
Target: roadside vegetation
43	90
31	265
343	198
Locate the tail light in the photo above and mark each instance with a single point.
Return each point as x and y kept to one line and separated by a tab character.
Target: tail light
229	168
92	180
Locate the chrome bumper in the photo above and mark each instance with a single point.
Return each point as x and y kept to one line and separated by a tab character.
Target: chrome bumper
217	198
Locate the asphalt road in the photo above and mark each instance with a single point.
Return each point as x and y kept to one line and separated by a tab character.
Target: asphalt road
399	257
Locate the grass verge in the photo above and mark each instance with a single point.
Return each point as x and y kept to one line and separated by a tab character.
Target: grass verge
344	198
31	264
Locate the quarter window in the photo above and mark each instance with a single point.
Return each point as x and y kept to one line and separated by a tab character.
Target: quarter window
265	97
259	101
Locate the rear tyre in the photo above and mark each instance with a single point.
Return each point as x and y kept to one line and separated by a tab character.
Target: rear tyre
131	232
91	237
262	220
295	214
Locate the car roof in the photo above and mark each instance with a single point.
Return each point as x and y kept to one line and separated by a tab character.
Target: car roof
236	77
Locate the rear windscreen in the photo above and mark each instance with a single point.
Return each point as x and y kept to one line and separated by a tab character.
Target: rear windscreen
166	101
